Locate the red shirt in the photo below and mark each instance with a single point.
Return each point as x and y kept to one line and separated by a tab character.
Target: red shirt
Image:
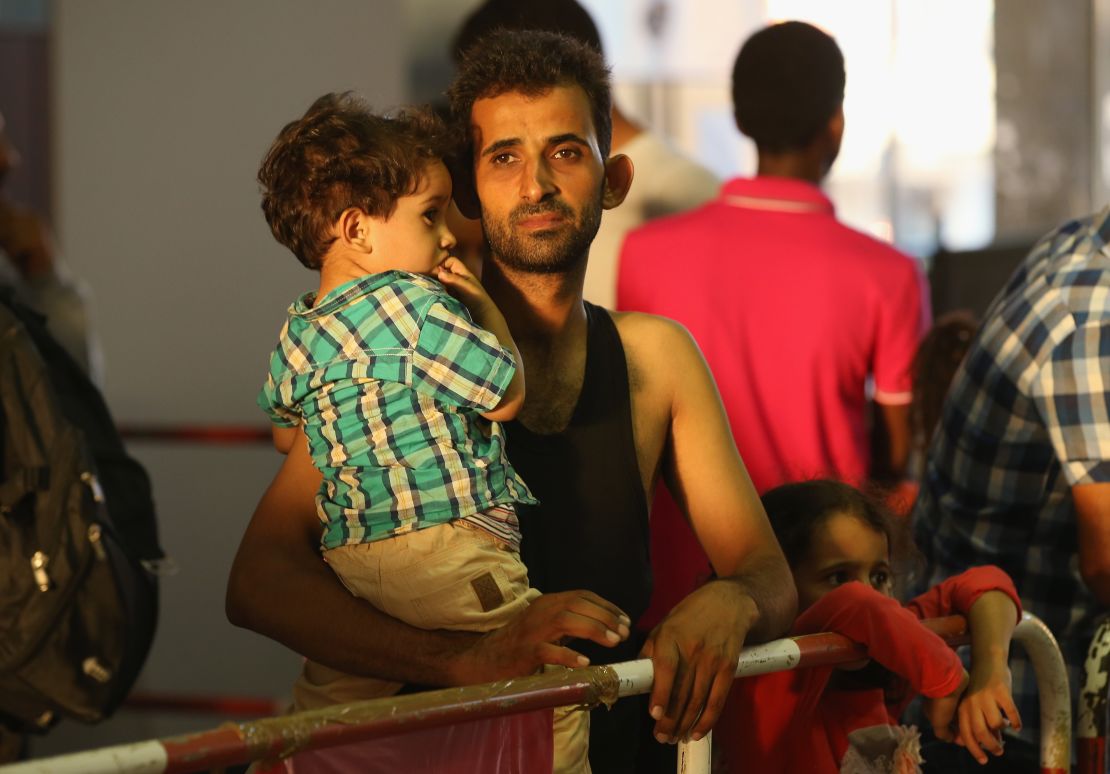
793	311
800	720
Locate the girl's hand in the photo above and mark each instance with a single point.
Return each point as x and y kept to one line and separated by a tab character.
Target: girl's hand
941	713
987	707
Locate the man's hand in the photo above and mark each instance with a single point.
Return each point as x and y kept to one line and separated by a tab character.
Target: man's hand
694	651
533	638
981	712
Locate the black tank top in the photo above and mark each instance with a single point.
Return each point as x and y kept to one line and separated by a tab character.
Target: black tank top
590	530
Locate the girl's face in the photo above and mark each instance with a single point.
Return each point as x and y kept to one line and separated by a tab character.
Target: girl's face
844	548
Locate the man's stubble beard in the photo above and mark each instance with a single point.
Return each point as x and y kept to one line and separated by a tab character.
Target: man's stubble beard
551	253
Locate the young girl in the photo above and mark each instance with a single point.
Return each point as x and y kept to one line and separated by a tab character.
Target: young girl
826	719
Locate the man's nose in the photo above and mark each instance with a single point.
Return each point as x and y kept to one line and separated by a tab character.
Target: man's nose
537	183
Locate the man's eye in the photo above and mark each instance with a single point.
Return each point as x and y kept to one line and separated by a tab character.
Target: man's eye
567	153
502	158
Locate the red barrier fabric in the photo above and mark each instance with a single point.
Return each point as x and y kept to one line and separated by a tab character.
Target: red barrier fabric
513	744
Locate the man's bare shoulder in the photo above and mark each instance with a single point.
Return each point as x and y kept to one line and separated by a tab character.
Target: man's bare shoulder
650	335
657	350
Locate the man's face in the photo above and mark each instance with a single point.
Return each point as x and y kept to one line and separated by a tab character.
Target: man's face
539	177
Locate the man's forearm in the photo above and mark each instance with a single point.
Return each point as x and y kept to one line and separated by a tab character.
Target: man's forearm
890	442
767	581
304	607
280	587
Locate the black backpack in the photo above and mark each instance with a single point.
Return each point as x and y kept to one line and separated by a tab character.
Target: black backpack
78	605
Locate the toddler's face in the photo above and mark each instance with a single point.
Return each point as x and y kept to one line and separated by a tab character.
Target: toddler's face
415	237
843	549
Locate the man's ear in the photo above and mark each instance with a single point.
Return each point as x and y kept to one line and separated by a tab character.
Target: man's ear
836	125
354	229
618	179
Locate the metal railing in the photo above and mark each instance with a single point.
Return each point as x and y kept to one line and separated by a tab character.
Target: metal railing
274	738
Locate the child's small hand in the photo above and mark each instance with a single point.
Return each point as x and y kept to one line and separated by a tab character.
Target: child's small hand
461	283
941	713
986	708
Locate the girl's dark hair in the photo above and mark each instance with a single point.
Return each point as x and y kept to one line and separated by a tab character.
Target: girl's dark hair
934	366
340	155
797	510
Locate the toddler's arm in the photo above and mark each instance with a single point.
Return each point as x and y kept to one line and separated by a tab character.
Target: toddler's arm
464	286
986	595
991	622
284	437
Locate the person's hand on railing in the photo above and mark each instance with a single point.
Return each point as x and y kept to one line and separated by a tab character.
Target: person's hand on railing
694	651
987	707
941	712
534	637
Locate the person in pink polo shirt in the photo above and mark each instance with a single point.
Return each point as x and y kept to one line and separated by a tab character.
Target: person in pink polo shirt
795	312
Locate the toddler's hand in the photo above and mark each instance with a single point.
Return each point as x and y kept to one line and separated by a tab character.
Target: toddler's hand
941	712
981	712
461	283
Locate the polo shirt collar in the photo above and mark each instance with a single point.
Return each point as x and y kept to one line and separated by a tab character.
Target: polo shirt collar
777	194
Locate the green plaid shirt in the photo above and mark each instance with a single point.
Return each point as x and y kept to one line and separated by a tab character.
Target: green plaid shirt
389	376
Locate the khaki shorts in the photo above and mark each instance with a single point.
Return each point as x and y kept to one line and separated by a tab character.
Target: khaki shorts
451	576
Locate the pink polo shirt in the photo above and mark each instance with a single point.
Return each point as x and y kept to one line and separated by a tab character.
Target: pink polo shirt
793	311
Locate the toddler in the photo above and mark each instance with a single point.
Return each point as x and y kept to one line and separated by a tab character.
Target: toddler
839	544
396	371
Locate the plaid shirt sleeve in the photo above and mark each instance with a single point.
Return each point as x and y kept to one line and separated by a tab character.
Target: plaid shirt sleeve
1072	393
270	401
458	362
274	398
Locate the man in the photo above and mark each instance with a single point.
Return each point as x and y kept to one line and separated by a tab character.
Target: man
667	182
794	311
1019	472
613	402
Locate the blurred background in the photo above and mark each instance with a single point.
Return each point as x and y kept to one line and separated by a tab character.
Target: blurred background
972	128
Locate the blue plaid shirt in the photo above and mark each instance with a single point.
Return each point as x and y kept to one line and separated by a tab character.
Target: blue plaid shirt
389	375
1025	420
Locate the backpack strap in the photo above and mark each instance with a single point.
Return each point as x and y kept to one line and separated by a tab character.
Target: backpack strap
22	482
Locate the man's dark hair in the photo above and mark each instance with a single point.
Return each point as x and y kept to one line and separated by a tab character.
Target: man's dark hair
337	156
788	81
566	17
532	62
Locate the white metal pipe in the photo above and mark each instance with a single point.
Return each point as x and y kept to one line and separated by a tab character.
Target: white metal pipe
139	758
1053	692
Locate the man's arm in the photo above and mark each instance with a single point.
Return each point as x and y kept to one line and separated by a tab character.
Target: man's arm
890	442
280	587
1092	510
695	648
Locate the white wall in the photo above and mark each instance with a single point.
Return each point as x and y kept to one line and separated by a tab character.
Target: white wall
162	113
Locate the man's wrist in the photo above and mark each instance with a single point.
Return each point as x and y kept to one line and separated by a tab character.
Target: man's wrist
747	608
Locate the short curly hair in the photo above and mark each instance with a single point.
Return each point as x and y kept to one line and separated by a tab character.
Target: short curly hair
532	62
340	155
787	82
